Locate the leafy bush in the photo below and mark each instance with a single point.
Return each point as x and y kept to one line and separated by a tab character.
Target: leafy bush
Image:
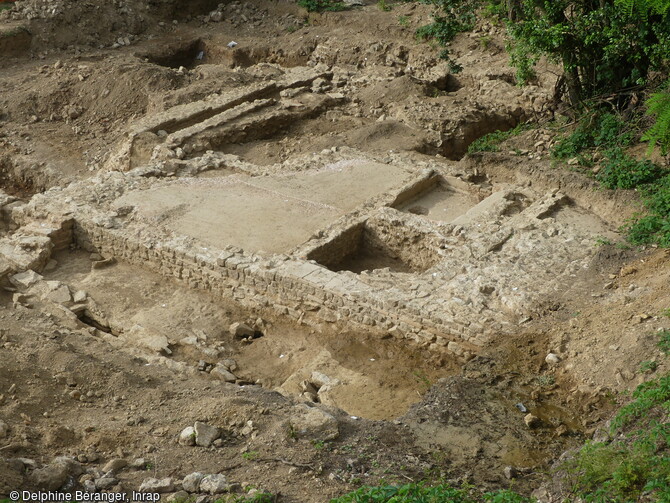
491	142
603	47
322	5
658	105
621	171
597	130
409	493
664	342
635	469
655	226
451	18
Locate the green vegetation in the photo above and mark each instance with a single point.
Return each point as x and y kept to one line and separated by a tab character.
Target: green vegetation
648	366
322	5
658	106
602	46
403	21
383	6
450	18
664	341
638	467
250	456
609	135
261	497
491	142
421	493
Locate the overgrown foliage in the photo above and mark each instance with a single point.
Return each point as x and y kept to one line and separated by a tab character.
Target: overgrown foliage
655	226
602	46
638	467
635	466
595	131
609	135
491	142
322	5
421	493
450	18
658	106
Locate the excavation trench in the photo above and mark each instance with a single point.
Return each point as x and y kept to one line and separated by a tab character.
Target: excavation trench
362	372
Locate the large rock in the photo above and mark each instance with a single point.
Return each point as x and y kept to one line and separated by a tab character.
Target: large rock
25	279
214	484
4	430
152	485
205	434
187	436
241	330
148	338
191	482
58	292
221	372
313	423
114	465
50	478
26	252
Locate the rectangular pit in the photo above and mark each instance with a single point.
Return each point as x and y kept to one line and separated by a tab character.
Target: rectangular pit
436	198
377	243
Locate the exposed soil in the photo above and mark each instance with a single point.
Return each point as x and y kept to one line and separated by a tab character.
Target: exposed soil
374	304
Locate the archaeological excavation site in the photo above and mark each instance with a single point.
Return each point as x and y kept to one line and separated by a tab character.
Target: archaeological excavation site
248	252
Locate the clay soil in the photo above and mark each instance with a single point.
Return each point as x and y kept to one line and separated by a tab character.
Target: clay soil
72	79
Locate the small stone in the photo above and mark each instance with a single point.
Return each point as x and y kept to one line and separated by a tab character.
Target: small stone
510	472
222	373
191	482
58	292
241	330
105	482
187	436
552	359
161	486
25	279
4	430
229	364
313	423
138	464
205	434
561	430
89	486
79	296
214	484
248	429
532	421
115	465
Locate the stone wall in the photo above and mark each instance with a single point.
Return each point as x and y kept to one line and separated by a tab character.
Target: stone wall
304	291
